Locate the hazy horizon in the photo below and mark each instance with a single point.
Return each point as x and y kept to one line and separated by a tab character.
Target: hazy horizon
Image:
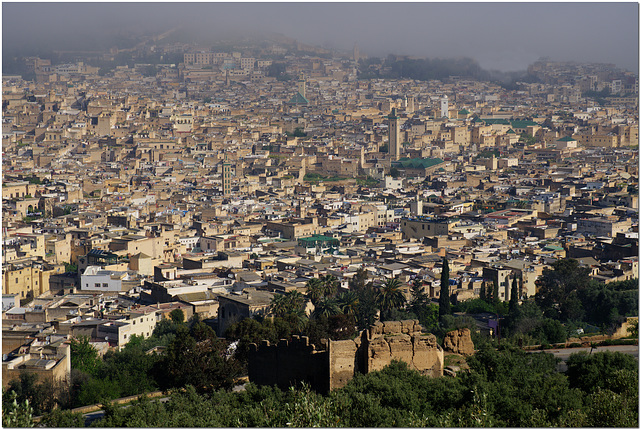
500	36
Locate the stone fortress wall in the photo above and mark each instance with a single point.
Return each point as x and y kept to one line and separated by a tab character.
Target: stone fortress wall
291	363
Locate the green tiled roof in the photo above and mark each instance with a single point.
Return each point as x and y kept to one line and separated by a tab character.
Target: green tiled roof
298	99
566	139
514	124
463	112
418	162
495	121
523	124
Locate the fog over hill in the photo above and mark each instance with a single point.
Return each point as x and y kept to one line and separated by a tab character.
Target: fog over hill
500	36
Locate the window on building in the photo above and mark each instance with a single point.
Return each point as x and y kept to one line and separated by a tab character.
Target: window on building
97	285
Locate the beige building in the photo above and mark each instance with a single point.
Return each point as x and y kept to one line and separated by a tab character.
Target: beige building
23	279
420	227
50	362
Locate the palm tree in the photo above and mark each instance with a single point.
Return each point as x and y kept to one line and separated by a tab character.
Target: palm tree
390	296
330	285
314	290
326	306
296	299
279	305
348	302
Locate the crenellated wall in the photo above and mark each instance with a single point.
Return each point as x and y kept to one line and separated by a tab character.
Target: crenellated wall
288	363
297	361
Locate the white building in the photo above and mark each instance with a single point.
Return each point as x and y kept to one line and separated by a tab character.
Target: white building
96	279
119	332
444	106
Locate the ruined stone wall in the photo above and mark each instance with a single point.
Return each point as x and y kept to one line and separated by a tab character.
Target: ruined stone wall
403	341
345	360
290	363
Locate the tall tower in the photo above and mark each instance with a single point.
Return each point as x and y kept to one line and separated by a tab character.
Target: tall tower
226	176
356	52
410	104
444	106
302	86
394	136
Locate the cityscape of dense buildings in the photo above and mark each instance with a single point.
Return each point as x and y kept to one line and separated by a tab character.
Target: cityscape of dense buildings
218	183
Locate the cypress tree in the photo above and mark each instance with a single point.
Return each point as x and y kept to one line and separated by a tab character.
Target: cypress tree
445	302
483	291
496	293
513	300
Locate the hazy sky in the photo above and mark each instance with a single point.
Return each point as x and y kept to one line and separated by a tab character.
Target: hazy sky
503	36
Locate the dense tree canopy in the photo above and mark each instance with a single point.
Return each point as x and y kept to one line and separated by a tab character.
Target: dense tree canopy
502	388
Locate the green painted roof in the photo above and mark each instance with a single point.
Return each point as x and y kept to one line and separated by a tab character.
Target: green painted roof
495	121
523	124
418	162
298	99
514	124
317	237
552	247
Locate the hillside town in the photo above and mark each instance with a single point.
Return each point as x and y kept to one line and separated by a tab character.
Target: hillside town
218	183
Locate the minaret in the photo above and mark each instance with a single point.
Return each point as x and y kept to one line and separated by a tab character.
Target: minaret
356	52
302	86
226	176
444	106
394	136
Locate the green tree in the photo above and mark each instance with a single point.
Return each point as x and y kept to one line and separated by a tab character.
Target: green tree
70	268
63	419
390	296
495	293
84	356
330	285
589	372
513	299
16	413
367	310
196	357
359	280
41	394
315	290
444	302
483	291
419	298
348	302
558	288
177	315
299	132
325	307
